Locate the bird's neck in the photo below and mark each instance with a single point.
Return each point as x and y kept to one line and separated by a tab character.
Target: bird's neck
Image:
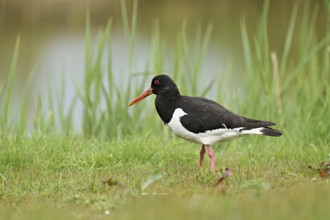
166	104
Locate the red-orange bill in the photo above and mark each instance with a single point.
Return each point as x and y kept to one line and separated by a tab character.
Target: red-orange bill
141	97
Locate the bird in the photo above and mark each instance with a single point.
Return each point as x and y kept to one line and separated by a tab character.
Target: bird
199	119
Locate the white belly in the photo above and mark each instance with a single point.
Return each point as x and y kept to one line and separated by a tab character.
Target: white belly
208	137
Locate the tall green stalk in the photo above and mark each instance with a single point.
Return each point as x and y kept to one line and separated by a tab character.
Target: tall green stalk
6	111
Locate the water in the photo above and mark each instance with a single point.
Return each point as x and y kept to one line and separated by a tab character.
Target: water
52	34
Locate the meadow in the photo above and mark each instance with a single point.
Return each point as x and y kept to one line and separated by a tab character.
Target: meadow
123	163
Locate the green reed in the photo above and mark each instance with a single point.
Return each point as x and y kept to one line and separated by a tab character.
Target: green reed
291	90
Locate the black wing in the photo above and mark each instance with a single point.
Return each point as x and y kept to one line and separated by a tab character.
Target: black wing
204	115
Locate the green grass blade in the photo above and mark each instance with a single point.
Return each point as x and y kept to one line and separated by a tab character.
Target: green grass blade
288	39
247	51
9	85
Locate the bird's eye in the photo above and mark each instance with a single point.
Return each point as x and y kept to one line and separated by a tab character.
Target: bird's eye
156	82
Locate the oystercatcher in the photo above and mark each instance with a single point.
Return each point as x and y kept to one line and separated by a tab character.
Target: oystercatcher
199	119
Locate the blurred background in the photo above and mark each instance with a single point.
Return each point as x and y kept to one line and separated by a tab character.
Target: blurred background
52	31
52	35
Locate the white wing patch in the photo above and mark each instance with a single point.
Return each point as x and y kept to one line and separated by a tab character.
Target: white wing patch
208	137
253	131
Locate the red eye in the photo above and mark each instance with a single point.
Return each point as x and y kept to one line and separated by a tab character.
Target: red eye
156	82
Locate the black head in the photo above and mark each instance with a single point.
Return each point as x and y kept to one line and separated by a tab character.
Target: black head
163	84
160	85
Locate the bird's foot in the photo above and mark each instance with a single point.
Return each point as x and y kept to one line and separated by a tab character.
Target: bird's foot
211	155
202	153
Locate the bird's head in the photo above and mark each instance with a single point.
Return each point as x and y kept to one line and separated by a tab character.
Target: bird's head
160	84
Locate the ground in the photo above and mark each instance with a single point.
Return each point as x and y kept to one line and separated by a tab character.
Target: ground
154	177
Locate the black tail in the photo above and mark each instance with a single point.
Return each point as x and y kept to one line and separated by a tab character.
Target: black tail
271	132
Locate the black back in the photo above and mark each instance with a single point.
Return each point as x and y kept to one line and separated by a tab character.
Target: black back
202	114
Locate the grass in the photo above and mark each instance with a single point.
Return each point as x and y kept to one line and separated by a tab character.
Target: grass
53	171
63	175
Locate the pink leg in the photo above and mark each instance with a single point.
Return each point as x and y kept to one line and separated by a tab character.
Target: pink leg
202	153
211	155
